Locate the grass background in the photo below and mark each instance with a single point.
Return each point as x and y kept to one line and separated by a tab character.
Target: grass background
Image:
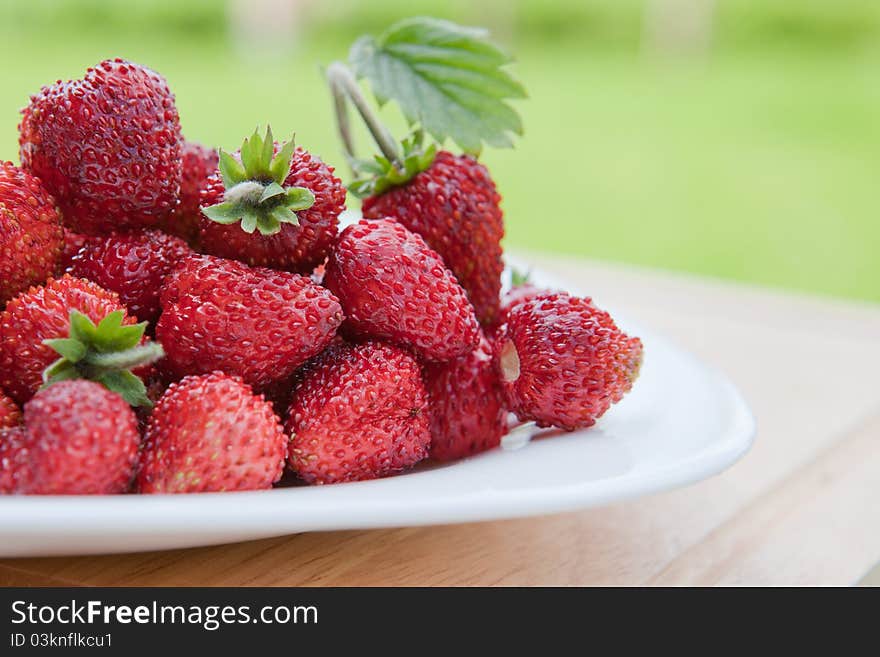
758	160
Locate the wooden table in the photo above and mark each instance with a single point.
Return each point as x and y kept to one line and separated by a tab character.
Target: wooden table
803	507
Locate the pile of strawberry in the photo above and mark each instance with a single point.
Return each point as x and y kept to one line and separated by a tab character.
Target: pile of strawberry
177	319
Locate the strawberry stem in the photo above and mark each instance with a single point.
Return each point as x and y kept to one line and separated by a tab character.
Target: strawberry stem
510	365
125	360
345	88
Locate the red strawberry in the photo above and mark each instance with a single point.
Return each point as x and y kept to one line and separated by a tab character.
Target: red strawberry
10	416
360	412
134	265
302	239
259	324
280	392
73	242
454	206
199	163
564	362
520	293
30	232
515	296
211	433
200	274
44	313
106	146
78	439
393	286
13	459
468	412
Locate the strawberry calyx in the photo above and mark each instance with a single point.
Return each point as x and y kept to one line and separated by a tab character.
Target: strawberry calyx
105	353
255	192
519	277
398	163
380	174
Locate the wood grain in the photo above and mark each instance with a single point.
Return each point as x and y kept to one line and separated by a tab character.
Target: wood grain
800	508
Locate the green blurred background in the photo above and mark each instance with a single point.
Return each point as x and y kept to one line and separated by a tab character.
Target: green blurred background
735	138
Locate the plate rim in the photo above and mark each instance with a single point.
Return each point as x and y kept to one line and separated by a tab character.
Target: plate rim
37	512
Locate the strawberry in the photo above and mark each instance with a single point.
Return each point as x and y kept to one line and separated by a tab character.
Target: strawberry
31	235
271	205
62	312
522	290
199	163
106	146
73	242
134	265
10	416
200	274
519	293
280	392
454	206
211	433
78	438
392	286
468	412
13	459
360	412
259	324
564	362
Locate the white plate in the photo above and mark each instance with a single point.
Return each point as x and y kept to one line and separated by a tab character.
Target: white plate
681	423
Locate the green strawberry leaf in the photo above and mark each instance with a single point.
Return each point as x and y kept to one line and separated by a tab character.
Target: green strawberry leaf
448	78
